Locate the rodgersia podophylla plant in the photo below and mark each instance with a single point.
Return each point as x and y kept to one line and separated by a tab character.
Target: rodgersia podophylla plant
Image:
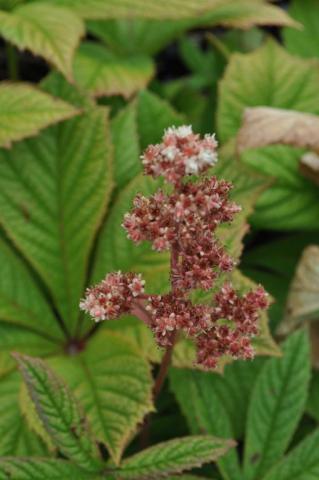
184	222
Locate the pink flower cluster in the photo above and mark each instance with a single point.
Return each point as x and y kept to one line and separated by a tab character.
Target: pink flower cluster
113	296
185	223
186	219
181	153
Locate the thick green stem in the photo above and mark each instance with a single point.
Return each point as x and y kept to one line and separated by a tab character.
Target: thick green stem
12	62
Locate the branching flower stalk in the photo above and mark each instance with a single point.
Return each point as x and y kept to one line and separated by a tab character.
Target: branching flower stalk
184	222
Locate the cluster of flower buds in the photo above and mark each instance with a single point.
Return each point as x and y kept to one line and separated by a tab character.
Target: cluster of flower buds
184	222
181	153
113	296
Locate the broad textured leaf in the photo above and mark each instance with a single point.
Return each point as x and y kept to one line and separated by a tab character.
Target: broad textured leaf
18	338
59	412
24	111
269	77
304	41
34	422
243	13
292	200
15	436
303	298
117	252
54	191
139	335
205	412
137	35
302	463
276	406
47	30
21	300
173	456
113	384
101	72
125	137
39	469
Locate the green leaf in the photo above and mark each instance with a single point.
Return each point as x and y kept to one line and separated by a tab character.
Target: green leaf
29	411
269	76
47	30
174	456
154	115
100	72
276	406
138	334
117	252
53	194
113	384
40	469
313	397
205	412
59	412
137	35
302	463
243	13
291	202
304	41
17	338
21	300
24	111
247	188
15	436
127	162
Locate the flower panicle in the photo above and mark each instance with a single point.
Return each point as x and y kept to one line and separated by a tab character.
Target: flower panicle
184	222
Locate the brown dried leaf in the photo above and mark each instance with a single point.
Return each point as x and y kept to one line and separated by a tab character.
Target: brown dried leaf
266	126
303	298
309	166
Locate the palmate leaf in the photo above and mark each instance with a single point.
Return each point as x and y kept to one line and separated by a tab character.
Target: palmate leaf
19	468
59	412
47	30
173	456
100	72
15	436
205	412
112	382
54	192
276	406
24	110
302	463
